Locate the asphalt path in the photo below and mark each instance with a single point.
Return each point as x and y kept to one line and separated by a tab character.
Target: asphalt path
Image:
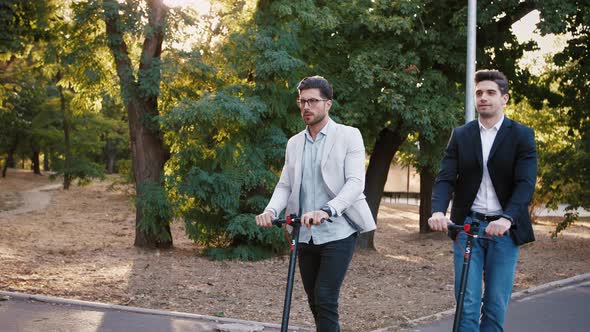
559	307
562	306
31	313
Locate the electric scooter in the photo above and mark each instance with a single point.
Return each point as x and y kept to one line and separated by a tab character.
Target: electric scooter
472	231
294	222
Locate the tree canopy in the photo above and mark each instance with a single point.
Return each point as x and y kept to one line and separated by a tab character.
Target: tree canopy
201	104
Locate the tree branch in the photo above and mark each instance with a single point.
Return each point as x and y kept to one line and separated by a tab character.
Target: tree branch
117	44
152	49
492	31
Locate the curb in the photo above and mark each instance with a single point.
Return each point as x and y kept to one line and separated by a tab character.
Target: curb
175	314
47	299
515	296
553	284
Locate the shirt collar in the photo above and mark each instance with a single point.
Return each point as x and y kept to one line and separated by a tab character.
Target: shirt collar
496	126
323	132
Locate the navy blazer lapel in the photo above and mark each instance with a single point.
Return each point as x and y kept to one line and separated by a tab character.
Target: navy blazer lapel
476	139
502	134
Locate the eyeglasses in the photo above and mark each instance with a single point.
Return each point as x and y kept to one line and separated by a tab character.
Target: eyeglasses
311	102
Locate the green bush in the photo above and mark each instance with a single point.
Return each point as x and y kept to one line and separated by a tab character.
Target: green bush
222	173
80	169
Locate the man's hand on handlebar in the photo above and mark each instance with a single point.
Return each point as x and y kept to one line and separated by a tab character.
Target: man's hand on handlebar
265	219
313	218
438	222
498	227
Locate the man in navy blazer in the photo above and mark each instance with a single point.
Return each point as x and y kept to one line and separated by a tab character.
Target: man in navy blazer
489	170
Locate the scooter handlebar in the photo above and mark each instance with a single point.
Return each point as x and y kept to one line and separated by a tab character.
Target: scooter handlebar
292	220
458	228
289	220
469	229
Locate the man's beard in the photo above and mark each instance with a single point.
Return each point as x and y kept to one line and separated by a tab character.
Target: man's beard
315	120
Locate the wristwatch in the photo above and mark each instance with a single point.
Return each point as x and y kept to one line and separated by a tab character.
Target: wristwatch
327	210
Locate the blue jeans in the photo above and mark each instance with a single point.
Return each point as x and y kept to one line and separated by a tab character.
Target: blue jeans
495	262
322	268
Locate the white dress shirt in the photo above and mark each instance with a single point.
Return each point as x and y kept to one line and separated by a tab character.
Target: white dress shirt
487	201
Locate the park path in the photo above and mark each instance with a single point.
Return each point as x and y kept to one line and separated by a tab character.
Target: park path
31	200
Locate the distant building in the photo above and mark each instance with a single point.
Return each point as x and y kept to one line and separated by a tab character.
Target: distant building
402	186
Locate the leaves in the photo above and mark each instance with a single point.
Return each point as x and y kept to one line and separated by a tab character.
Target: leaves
224	100
152	202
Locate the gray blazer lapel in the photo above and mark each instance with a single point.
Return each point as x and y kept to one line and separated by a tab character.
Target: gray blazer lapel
502	134
298	153
330	140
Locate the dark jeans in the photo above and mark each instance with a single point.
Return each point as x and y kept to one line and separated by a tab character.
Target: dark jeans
323	268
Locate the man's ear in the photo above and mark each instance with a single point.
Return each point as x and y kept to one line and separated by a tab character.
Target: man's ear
505	98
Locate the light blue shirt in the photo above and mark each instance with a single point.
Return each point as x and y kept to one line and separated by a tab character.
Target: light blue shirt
313	194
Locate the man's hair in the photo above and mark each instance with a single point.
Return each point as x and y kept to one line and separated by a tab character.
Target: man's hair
317	82
493	75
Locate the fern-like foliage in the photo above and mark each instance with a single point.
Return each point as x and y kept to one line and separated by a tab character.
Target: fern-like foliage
153	204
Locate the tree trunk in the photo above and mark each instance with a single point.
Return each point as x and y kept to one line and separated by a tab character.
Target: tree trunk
148	152
67	147
9	161
110	152
427	177
386	146
36	164
46	156
148	159
110	163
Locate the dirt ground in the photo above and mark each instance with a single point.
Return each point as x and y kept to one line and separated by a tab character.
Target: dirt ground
80	246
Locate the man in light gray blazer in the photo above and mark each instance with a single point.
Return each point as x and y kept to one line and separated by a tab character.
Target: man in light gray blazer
323	178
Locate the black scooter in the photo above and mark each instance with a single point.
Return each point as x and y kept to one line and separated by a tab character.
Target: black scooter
294	222
472	231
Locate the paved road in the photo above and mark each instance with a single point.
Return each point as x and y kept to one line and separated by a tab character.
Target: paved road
19	313
564	307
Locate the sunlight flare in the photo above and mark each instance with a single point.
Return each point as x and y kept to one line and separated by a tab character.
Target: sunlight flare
201	6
